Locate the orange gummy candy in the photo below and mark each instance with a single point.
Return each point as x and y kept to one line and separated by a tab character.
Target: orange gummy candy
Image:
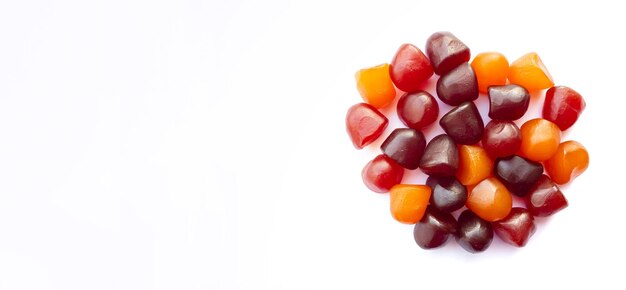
491	69
409	202
570	160
474	164
540	139
490	200
529	72
375	85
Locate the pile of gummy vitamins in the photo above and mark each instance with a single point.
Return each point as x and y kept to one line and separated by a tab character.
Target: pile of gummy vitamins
473	169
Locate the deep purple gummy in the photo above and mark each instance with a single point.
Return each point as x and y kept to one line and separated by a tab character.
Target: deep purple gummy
446	51
458	85
405	146
463	124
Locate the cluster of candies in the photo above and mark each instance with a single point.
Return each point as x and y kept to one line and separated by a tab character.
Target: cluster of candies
472	165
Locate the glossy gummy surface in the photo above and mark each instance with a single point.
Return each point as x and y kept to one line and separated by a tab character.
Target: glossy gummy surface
545	198
446	51
471	169
501	138
408	202
458	85
375	85
434	229
474	164
418	109
381	174
563	106
491	69
490	200
463	123
448	194
409	68
529	72
540	139
473	233
518	174
570	160
509	102
441	157
516	228
405	146
364	124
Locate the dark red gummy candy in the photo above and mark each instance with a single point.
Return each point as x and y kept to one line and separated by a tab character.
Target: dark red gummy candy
418	109
364	124
501	138
516	228
545	198
381	174
409	68
563	106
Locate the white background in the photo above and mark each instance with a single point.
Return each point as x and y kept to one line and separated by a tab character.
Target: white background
201	145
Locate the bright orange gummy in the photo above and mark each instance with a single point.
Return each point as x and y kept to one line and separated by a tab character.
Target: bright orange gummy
375	85
540	139
570	160
474	164
529	72
491	69
409	202
490	200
